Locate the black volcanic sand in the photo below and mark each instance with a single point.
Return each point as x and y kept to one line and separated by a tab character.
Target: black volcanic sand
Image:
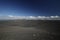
30	30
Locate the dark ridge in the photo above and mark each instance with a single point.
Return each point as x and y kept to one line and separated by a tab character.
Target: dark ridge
40	24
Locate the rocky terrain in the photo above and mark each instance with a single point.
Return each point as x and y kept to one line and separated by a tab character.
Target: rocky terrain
29	30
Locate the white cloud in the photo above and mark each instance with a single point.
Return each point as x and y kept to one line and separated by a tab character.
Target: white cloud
11	17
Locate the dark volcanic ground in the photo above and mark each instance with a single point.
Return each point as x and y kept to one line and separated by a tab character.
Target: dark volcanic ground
30	30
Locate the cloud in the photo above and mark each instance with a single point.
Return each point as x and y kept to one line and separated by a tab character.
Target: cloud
11	17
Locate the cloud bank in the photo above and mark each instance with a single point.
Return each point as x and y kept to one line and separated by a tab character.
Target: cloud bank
10	17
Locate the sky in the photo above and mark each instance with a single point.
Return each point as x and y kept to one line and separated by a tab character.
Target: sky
30	7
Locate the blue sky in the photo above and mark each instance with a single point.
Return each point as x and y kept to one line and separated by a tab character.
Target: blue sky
30	7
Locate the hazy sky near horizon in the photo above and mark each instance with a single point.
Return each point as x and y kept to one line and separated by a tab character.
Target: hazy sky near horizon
30	7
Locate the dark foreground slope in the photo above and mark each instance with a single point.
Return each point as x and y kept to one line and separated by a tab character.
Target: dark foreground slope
30	30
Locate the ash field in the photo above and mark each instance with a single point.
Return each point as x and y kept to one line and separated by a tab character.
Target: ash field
29	29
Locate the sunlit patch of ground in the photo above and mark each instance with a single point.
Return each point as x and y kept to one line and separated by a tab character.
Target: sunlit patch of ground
21	33
17	33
